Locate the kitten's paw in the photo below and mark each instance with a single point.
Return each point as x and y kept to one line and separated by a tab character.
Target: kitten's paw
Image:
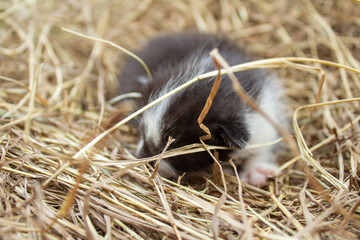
258	174
166	170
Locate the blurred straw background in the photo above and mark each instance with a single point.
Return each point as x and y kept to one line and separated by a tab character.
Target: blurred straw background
55	89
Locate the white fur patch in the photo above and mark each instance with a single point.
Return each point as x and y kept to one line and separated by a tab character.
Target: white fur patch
153	117
261	164
153	120
261	131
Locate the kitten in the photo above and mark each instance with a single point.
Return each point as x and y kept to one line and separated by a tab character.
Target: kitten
175	59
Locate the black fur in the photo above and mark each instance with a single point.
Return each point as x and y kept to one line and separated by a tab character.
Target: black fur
167	57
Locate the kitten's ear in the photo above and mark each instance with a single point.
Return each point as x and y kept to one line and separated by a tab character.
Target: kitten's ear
231	133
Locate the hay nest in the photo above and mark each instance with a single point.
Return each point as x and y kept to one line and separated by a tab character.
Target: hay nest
54	100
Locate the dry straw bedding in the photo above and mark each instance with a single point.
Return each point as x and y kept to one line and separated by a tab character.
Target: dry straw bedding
55	99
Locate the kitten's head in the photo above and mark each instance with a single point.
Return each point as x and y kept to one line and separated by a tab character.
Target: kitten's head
177	118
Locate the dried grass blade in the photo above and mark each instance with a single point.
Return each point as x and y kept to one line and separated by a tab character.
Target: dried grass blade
70	198
157	164
32	100
160	190
116	46
296	223
208	207
215	220
208	103
305	151
248	234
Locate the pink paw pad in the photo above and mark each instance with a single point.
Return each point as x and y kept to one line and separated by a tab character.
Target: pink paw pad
258	176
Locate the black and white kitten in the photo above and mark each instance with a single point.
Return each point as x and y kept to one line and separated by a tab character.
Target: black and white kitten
175	59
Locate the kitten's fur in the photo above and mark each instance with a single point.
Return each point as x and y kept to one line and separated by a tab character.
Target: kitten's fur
175	59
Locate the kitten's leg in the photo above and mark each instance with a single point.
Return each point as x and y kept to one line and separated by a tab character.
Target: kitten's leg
259	167
262	163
